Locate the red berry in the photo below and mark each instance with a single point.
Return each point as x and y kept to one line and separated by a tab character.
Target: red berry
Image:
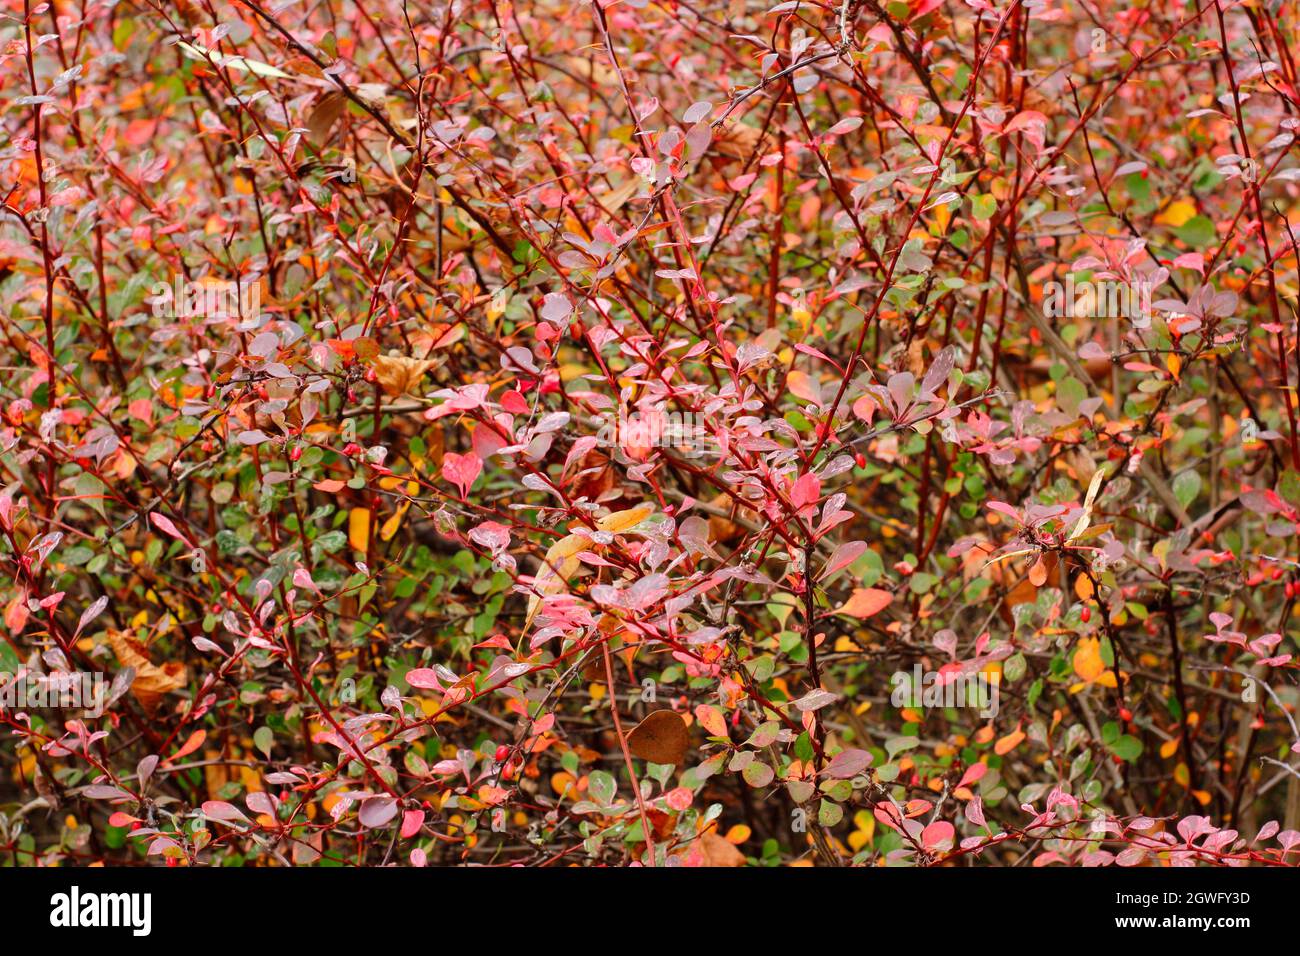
860	460
502	752
172	861
136	824
1125	714
1085	615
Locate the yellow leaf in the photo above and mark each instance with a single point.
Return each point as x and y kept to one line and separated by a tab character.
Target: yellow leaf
394	522
560	563
1086	518
359	528
620	521
942	216
1176	213
1169	748
863	834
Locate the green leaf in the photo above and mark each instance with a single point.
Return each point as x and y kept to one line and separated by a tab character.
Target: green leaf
1014	668
829	814
1196	232
264	740
1289	486
601	786
758	774
1187	486
1127	748
1069	393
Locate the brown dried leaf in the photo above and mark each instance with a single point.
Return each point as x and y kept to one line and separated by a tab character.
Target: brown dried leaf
323	116
737	140
660	738
398	374
718	851
613	200
151	681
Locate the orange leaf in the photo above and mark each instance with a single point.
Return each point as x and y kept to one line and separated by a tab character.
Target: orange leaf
1087	659
865	602
1009	743
711	719
1038	573
191	745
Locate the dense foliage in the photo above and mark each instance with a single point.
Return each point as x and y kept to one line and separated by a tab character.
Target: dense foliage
509	432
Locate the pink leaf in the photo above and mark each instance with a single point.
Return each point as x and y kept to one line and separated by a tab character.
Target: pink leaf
224	812
805	491
92	612
377	811
842	557
412	820
848	763
974	773
424	678
461	470
938	835
164	524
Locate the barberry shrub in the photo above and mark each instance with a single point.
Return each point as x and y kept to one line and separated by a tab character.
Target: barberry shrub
631	433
